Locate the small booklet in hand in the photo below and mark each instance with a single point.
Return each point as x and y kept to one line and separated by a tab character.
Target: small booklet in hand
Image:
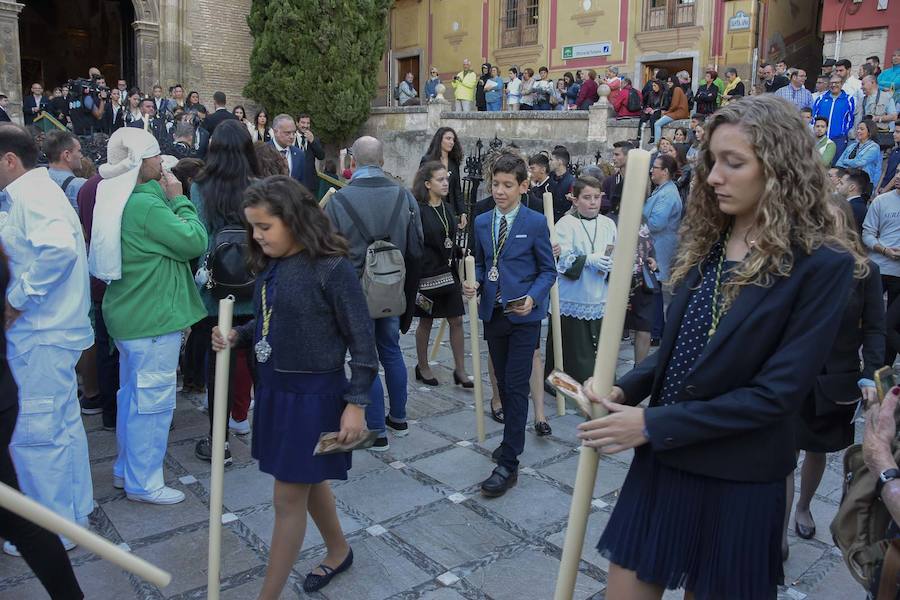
328	443
571	389
514	303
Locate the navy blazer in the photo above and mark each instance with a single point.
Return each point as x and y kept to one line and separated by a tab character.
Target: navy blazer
298	165
28	103
734	417
526	264
313	151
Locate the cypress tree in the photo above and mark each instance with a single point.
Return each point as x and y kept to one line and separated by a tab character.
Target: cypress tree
319	57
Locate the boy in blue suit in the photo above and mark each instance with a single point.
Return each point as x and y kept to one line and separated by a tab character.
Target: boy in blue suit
514	271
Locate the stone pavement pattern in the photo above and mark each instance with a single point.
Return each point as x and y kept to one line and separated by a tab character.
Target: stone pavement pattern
417	523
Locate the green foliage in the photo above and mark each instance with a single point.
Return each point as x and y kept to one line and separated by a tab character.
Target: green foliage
319	57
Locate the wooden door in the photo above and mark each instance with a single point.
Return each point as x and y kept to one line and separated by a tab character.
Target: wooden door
410	64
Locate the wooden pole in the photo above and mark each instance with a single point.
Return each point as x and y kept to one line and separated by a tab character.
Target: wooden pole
556	326
632	205
331	191
476	351
438	339
15	501
220	412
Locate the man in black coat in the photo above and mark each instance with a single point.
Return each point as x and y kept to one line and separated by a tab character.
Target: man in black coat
34	104
219	114
312	149
4	108
151	122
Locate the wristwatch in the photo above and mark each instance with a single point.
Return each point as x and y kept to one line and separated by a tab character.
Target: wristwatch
884	477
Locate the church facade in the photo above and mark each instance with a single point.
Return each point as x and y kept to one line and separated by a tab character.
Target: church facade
203	45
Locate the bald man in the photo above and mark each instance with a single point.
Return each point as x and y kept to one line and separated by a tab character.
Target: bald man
388	211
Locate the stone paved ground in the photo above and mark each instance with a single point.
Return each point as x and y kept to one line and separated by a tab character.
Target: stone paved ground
418	526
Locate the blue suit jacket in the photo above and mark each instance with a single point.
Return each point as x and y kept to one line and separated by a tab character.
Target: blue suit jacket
526	264
734	417
298	163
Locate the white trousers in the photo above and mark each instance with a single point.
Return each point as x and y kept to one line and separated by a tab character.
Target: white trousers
463	106
146	402
49	448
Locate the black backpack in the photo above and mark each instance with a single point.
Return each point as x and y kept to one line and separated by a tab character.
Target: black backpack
227	265
633	104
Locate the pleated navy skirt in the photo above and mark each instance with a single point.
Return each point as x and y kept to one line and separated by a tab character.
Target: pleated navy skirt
716	538
292	409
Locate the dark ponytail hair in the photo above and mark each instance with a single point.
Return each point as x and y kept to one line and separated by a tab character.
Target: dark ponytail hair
291	202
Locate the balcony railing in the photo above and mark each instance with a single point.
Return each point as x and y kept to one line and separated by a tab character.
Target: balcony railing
668	14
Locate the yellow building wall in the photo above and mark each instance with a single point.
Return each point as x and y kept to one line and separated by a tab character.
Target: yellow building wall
447	31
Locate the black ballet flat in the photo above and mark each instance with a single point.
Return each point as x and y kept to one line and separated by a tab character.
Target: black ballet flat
463	382
497	414
314	583
807	533
432	382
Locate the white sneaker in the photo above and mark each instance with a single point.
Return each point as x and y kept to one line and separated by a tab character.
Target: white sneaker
118	482
164	495
10	548
239	427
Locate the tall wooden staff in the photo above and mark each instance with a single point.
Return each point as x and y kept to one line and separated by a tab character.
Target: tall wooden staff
555	325
220	410
15	501
438	339
476	351
632	205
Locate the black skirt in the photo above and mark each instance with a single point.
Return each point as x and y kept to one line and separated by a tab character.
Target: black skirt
446	304
716	538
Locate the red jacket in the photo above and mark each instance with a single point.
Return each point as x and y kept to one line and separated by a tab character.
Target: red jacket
587	95
619	101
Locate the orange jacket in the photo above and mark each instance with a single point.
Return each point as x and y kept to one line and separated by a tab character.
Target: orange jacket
678	109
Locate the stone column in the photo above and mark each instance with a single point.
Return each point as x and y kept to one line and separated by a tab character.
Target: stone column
434	113
10	58
598	117
146	42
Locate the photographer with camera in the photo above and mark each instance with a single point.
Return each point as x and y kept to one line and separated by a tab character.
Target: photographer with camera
87	102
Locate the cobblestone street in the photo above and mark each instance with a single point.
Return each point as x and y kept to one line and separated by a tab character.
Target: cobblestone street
414	516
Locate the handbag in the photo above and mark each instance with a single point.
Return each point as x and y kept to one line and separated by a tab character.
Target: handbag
437	285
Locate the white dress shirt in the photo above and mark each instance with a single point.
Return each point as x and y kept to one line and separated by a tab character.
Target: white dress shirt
287	156
48	267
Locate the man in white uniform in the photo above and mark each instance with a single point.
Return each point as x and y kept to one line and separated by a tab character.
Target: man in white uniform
48	327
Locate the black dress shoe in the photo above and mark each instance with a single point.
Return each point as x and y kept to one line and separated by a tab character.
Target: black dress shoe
542	428
807	533
314	583
497	414
500	480
432	381
463	382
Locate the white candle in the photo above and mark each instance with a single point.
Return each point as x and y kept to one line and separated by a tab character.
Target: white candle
633	196
476	351
556	326
14	501
220	410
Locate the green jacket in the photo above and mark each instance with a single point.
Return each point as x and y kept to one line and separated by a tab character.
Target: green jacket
156	294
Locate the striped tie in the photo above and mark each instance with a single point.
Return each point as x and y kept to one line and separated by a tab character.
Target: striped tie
501	238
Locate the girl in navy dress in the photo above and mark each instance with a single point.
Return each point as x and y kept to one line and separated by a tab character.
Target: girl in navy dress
761	279
310	310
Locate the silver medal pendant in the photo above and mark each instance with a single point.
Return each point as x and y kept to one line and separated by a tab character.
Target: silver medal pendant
494	274
448	243
263	350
